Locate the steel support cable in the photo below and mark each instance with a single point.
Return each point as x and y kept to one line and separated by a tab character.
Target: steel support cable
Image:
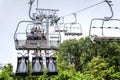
84	9
90	7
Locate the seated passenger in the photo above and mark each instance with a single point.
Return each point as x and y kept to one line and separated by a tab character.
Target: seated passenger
42	37
38	32
35	34
31	36
33	29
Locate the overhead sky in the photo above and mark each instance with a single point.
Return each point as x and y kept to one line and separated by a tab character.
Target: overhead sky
13	11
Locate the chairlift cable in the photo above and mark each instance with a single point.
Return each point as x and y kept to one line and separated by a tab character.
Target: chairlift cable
89	7
84	9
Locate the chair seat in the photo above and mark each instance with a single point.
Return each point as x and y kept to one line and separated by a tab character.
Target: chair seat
37	73
21	74
52	73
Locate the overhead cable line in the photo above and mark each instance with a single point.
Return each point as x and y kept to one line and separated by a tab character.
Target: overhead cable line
89	7
84	9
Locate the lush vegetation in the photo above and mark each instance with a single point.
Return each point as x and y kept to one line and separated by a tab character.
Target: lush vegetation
80	60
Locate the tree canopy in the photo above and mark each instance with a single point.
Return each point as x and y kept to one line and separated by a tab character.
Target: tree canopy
79	60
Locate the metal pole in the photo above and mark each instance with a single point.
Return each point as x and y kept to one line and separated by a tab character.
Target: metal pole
102	27
37	4
47	29
112	14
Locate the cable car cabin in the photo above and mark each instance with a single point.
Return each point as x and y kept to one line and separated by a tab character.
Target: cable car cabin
34	39
73	29
51	66
60	28
22	66
37	66
106	32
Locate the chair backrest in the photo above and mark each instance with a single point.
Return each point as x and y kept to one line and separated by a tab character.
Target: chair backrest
37	64
51	66
22	65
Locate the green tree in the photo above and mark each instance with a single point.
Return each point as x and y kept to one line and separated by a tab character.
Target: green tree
84	52
79	60
70	52
7	72
97	68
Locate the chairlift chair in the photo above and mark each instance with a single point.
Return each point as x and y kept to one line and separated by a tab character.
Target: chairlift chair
73	29
32	44
102	38
22	66
51	66
60	28
43	17
37	64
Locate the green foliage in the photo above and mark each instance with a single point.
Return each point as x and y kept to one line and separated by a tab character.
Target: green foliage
96	68
70	52
99	61
79	60
4	76
7	73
